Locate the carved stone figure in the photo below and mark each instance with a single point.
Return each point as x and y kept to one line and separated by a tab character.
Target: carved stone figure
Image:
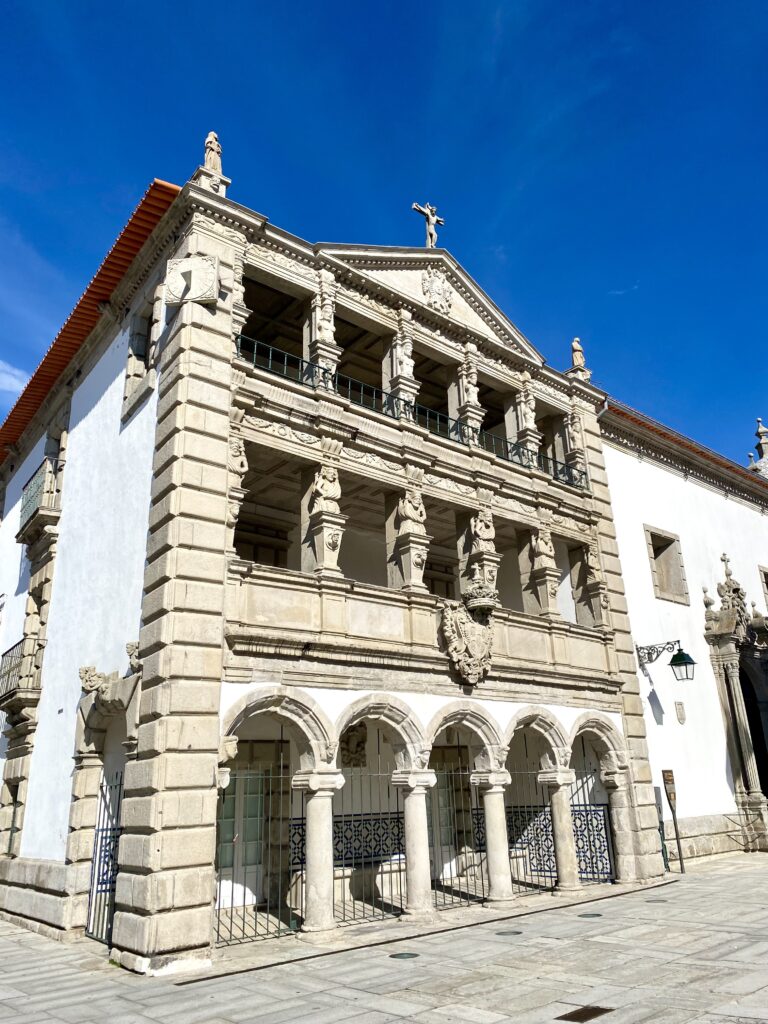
411	513
238	463
436	289
326	308
429	213
528	409
594	571
405	360
471	390
577	354
326	490
483	531
213	153
544	549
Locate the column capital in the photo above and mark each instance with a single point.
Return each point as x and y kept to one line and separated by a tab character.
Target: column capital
421	778
556	778
491	781
318	781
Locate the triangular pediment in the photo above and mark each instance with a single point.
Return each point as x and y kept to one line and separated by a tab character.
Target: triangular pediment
434	280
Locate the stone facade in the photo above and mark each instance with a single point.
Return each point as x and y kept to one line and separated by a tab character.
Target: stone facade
381	555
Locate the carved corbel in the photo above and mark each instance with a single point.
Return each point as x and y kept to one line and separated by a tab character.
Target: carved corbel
227	752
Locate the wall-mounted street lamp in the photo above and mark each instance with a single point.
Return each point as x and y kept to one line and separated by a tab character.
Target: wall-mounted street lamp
682	664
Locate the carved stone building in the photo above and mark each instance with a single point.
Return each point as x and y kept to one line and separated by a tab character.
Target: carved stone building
313	603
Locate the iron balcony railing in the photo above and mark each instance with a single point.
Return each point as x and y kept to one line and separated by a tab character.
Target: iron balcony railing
39	491
10	668
284	364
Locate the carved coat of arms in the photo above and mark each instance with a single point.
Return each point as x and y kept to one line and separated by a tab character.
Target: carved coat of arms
436	289
468	631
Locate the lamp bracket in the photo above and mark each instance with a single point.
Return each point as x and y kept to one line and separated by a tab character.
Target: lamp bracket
647	655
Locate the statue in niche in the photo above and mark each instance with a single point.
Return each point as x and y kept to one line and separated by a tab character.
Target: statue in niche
326	490
429	213
352	746
593	562
545	548
483	532
577	354
212	160
411	513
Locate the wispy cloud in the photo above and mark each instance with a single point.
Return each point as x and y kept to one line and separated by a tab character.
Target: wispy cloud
12	379
625	291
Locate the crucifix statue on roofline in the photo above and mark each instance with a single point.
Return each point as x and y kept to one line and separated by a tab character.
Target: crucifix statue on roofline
429	213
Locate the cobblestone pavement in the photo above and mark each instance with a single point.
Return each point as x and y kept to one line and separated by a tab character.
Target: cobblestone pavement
695	951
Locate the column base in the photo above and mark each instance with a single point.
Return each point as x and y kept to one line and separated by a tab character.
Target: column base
567	890
502	903
419	916
158	966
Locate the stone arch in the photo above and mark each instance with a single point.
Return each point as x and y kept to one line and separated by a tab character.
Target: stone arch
609	743
545	725
307	723
474	717
397	720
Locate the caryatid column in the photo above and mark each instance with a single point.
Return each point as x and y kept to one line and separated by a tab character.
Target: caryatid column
527	432
322	524
320	346
397	370
471	413
319	788
492	785
476	548
418	878
558	780
545	576
407	540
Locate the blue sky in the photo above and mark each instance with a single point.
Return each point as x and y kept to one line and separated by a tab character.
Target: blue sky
602	166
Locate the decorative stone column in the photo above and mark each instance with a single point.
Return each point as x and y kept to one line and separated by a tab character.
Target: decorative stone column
320	346
476	548
527	433
319	788
558	781
545	576
321	520
397	376
595	587
471	413
407	541
237	464
418	877
574	433
492	786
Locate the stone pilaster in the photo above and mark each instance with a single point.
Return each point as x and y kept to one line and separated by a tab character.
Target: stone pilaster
319	788
639	815
166	881
418	882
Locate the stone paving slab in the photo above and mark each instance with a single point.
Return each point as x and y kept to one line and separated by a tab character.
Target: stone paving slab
699	957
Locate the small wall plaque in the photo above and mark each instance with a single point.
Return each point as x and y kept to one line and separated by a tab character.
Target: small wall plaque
680	709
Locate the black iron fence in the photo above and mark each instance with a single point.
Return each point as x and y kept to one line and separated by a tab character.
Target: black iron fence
367	396
10	668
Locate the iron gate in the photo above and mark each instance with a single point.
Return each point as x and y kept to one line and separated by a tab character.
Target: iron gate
101	898
368	846
529	832
592	828
259	856
456	825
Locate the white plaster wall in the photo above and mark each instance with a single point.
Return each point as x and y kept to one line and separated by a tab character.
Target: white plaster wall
708	524
14	565
98	578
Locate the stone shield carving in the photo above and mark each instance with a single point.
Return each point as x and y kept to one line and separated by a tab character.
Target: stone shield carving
470	640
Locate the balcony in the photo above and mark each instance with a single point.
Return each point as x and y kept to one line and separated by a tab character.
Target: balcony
39	500
284	364
287	613
10	668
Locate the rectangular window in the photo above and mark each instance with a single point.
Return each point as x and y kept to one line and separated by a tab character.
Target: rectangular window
667	569
764	581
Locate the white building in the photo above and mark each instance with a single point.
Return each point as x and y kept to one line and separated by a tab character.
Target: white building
314	601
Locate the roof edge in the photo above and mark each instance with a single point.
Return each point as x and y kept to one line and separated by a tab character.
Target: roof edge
86	314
